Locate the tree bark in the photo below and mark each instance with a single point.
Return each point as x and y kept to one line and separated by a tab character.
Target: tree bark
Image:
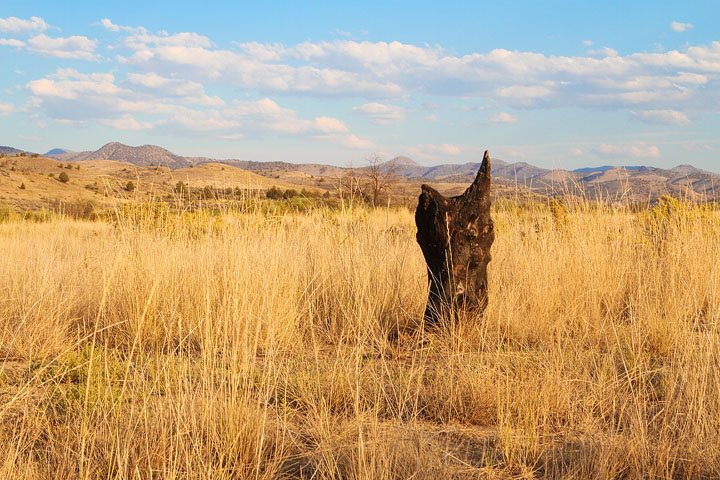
455	235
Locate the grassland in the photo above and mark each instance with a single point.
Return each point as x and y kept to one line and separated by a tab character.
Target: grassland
261	344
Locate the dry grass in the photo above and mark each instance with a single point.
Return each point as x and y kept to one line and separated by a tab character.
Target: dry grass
287	346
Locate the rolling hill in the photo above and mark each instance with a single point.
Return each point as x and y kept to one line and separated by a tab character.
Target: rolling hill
639	183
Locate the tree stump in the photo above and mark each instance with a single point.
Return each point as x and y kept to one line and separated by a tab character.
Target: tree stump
455	235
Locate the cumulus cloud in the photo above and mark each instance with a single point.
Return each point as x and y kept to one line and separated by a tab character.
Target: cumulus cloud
663	117
680	27
439	149
78	47
30	138
503	117
12	42
17	25
632	150
356	142
382	70
111	27
696	147
6	108
381	114
603	52
145	101
433	152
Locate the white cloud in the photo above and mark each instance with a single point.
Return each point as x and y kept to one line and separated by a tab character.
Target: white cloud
576	152
520	95
381	114
511	153
126	122
78	47
6	108
431	118
329	125
696	147
680	27
30	138
603	52
12	42
381	70
144	101
503	117
633	150
433	152
17	25
354	141
663	117
587	43
439	149
116	28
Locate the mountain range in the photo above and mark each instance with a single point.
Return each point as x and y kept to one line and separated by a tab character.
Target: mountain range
631	182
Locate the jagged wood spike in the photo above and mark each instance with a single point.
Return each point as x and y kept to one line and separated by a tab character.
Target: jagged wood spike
455	235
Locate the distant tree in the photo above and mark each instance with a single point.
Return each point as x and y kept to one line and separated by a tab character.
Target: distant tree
63	177
129	186
377	178
68	166
23	154
35	155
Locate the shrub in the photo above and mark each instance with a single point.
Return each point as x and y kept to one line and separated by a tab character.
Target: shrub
68	166
290	193
182	189
63	177
208	192
274	193
35	155
22	186
129	186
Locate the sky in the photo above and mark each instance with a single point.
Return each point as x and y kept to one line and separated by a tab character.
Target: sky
558	84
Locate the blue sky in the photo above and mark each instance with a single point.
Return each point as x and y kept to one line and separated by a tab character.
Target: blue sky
555	84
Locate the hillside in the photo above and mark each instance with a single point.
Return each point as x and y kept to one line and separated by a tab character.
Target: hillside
636	183
145	155
9	150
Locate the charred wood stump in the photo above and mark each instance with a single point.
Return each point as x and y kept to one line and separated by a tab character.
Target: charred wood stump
455	235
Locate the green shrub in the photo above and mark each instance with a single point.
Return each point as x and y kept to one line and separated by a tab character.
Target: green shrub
63	177
274	193
129	186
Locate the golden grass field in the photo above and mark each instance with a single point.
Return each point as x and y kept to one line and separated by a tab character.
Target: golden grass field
288	345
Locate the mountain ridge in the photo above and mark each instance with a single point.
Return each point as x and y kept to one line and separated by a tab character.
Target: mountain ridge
642	181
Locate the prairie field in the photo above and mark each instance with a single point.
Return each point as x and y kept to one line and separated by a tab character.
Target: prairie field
261	344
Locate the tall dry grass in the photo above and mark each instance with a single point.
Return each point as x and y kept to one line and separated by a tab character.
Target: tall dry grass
251	345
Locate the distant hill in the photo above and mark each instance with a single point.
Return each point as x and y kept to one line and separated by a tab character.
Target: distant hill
144	156
58	151
635	182
10	150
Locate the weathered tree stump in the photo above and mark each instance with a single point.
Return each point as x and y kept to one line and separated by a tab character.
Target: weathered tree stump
455	235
